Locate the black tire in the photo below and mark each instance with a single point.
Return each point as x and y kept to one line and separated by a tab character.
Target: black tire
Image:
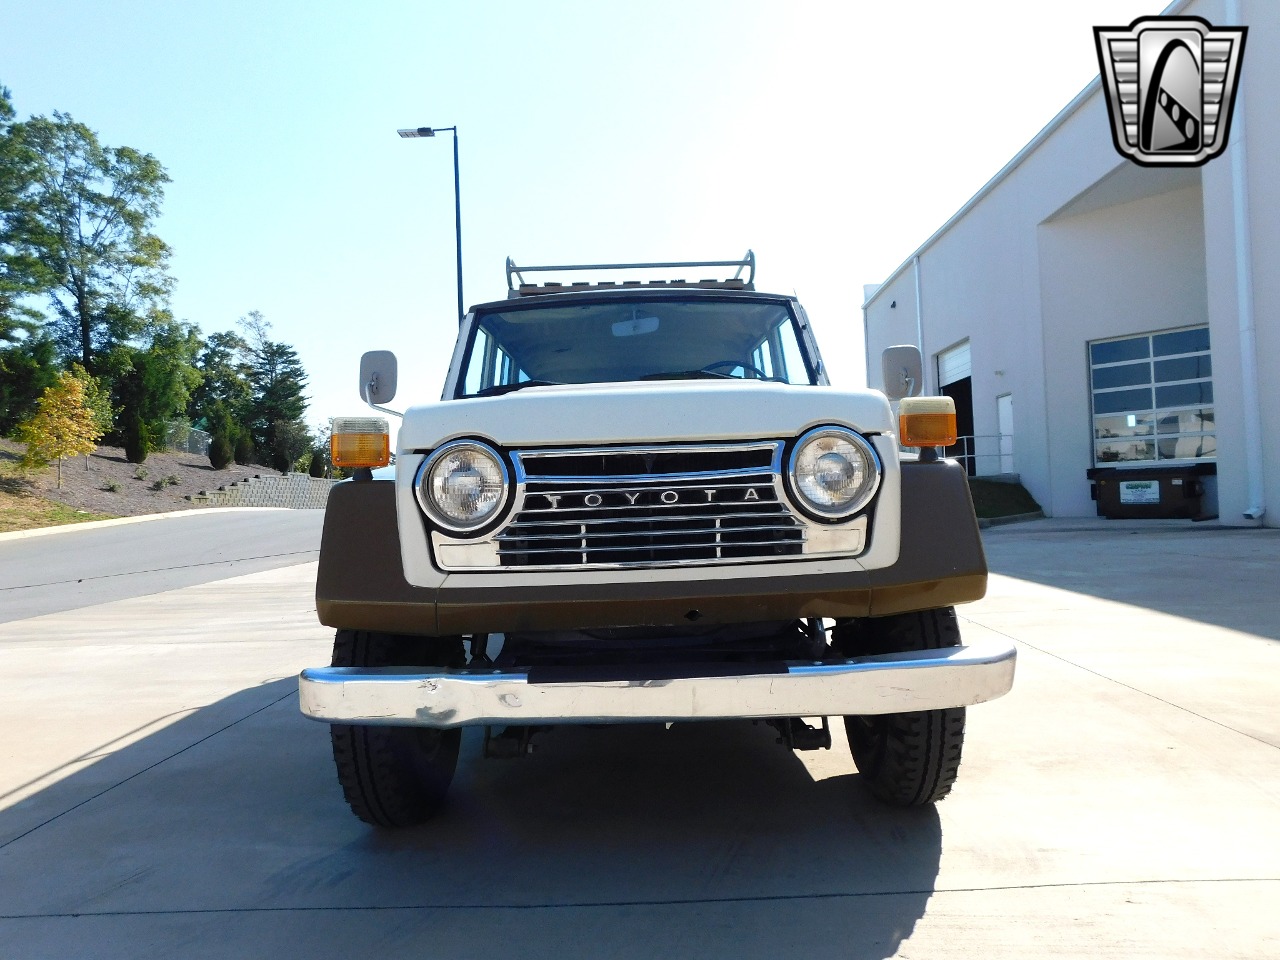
394	776
905	759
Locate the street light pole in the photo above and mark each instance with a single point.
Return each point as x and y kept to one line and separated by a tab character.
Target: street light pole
414	132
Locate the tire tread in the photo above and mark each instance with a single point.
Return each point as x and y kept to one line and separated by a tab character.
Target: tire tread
917	759
386	777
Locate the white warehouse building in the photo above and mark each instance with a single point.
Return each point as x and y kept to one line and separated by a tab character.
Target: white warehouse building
1093	316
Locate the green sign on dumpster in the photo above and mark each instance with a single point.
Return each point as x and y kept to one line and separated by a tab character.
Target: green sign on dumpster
1139	491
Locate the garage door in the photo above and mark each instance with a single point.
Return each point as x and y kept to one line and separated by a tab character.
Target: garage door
953	364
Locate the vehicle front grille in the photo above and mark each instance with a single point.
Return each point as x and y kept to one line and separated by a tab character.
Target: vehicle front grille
647	507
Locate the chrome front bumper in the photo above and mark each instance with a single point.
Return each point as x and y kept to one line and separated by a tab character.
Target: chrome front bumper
891	683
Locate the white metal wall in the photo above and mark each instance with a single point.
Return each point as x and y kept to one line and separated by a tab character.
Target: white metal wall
1072	243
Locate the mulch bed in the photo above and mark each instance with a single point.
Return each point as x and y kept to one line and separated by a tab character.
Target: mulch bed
86	481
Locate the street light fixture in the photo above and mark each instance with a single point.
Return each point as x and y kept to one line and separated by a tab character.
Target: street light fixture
415	132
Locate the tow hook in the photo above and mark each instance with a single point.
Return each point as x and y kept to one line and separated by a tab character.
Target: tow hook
512	742
796	734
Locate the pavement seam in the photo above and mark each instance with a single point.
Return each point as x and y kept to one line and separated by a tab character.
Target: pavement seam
146	769
138	573
1121	683
613	904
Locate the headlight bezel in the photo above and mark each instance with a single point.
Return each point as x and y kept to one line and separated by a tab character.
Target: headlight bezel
859	503
441	520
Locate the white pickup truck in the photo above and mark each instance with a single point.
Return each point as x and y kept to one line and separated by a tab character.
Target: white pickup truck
643	502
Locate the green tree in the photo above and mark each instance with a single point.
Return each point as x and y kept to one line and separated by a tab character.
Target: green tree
153	383
27	367
21	274
65	424
321	462
220	404
292	442
277	378
85	224
221	452
225	388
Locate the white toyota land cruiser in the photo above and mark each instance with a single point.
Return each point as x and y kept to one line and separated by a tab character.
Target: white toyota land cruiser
642	502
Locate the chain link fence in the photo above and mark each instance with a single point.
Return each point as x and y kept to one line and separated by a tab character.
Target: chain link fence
184	438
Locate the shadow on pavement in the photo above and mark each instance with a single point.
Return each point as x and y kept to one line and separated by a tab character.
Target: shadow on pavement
1220	576
225	834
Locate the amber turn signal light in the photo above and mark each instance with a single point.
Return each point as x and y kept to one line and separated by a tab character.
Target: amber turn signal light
927	421
359	442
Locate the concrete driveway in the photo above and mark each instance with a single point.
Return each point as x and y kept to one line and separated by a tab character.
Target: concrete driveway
161	796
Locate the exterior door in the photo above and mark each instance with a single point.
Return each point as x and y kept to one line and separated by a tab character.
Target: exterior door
1004	421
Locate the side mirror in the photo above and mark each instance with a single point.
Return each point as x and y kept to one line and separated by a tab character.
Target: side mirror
378	377
903	371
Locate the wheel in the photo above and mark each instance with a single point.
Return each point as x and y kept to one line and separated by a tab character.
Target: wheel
394	776
906	759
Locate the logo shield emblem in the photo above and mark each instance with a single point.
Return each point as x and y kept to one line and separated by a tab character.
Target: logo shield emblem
1171	86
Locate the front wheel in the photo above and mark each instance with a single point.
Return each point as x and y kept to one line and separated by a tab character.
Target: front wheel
905	759
394	776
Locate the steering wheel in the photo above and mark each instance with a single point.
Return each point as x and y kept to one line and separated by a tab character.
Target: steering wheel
759	374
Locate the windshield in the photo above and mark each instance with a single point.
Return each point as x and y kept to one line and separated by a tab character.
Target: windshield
623	340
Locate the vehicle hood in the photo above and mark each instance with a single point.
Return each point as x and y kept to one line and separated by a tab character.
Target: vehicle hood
656	411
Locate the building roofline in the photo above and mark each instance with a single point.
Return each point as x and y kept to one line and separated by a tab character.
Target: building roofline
1093	86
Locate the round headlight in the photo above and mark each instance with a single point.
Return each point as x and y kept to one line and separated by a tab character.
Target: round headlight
834	473
462	486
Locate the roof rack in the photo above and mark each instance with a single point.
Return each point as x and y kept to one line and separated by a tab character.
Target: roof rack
526	289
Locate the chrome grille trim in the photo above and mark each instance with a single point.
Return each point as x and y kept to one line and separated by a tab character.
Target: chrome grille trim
651	533
597	517
566	533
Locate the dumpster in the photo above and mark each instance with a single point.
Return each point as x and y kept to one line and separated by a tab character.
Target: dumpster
1150	493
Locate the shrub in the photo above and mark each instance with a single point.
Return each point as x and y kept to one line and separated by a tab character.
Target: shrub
112	486
318	462
221	453
244	450
140	473
172	480
137	440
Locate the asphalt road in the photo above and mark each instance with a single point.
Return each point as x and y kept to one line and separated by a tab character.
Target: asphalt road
70	567
161	796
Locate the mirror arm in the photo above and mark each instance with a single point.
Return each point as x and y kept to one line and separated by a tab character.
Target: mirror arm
369	389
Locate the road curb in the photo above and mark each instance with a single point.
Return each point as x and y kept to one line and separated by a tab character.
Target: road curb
984	522
121	521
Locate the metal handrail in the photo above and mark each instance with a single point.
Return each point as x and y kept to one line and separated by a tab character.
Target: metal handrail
748	263
965	450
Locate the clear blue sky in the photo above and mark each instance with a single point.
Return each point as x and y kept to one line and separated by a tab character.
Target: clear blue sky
830	138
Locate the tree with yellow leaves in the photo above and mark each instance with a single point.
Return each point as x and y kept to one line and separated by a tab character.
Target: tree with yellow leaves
68	421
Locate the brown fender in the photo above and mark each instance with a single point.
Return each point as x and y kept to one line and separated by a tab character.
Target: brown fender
361	583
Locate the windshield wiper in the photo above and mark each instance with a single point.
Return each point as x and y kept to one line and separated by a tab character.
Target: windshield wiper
512	387
688	375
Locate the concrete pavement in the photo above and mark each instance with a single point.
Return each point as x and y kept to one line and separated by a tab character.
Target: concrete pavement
161	796
62	568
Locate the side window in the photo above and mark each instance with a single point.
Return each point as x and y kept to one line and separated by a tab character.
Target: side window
778	355
505	369
792	369
474	381
489	365
762	357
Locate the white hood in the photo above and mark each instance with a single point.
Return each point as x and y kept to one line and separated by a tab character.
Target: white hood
650	411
